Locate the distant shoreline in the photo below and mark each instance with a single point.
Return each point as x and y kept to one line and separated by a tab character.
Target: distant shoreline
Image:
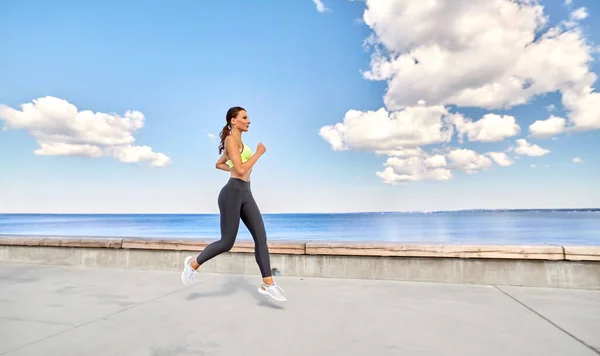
338	213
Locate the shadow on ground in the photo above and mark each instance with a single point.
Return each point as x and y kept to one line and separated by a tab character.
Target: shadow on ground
237	284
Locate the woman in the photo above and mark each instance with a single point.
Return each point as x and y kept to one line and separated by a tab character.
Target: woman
235	202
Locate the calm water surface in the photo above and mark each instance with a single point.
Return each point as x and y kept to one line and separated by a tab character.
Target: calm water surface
576	227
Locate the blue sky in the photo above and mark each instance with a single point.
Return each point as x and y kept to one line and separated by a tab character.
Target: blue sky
297	71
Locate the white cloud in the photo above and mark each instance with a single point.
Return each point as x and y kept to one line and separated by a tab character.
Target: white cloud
584	107
334	135
577	160
489	128
320	6
212	137
501	159
468	160
399	170
61	130
547	128
490	55
403	152
576	16
406	165
67	149
133	154
381	130
529	149
551	107
579	14
568	2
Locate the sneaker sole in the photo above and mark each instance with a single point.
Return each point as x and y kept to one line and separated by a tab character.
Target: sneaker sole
264	292
185	263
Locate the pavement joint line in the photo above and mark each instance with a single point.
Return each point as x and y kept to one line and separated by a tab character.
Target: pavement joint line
94	320
593	349
36	321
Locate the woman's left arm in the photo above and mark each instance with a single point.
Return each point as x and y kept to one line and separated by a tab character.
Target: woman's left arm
221	163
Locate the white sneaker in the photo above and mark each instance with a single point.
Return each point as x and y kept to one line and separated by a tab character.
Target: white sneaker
188	276
272	291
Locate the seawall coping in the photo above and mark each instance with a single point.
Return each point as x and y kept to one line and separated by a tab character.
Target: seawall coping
376	249
294	248
582	253
61	241
448	251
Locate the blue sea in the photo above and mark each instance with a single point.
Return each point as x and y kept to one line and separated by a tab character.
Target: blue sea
535	227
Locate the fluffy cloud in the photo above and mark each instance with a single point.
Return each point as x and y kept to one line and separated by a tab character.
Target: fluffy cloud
489	128
584	107
415	164
501	159
577	160
552	126
403	152
579	14
528	149
381	130
471	53
469	160
401	170
492	55
133	154
61	129
320	6
67	149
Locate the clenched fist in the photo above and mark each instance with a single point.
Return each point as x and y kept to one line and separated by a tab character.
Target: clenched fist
261	148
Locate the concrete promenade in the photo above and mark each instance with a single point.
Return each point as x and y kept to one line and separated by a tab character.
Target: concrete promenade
75	310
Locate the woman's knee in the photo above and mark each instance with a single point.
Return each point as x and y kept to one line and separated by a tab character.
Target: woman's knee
226	245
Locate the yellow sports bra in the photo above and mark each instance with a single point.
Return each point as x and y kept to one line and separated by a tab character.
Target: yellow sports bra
246	153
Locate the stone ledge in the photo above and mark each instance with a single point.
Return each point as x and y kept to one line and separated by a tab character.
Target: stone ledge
582	253
61	241
293	248
381	249
453	251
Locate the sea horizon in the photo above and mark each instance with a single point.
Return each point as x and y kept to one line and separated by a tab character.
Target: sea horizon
565	226
328	213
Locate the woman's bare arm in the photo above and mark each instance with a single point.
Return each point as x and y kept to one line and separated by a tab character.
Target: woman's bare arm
222	163
236	159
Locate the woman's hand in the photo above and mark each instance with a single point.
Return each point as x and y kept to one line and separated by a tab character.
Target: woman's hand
261	149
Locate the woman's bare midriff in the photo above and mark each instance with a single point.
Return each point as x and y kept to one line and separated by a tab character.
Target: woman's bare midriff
245	177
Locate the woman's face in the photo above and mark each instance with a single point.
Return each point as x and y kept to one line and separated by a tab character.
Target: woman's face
241	121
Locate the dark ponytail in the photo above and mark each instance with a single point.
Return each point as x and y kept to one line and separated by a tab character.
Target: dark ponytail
231	113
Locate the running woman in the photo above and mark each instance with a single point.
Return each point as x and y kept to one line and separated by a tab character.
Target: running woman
236	202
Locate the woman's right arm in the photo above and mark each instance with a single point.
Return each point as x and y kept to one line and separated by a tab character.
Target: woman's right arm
236	159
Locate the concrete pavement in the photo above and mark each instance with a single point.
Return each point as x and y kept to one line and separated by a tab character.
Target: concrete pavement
62	310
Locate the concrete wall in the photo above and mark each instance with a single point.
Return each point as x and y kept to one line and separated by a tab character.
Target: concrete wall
542	266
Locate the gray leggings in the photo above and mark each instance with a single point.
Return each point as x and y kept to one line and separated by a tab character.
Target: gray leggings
235	202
